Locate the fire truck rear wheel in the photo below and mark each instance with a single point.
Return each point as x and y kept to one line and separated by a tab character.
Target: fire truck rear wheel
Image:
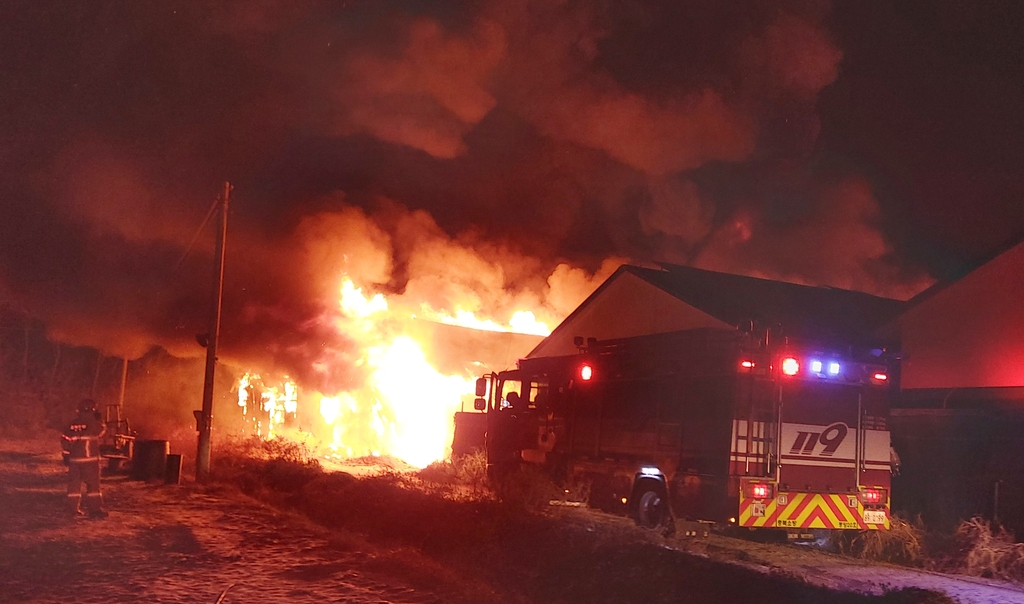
651	509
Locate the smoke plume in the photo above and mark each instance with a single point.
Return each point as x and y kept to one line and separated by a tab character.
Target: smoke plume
478	157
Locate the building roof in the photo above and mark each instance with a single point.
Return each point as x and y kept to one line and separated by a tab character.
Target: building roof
940	286
822	314
803	311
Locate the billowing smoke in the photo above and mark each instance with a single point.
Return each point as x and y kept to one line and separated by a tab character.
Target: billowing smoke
480	157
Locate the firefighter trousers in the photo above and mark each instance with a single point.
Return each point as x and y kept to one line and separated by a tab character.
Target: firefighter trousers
88	473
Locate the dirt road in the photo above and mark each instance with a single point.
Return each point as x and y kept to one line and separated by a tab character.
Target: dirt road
849	575
191	544
183	544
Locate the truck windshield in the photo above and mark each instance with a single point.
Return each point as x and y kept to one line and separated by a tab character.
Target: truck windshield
533	394
509	394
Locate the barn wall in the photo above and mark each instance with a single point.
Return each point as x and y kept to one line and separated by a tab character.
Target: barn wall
970	334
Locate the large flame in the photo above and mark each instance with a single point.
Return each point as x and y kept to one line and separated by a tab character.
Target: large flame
522	321
405	406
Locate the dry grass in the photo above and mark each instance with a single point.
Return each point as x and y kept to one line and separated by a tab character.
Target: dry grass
903	543
253	448
518	546
979	549
528	489
462	478
976	548
259	467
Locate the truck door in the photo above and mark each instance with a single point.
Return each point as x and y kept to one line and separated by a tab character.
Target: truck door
819	436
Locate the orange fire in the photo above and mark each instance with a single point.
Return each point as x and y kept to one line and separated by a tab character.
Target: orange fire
523	321
405	406
266	408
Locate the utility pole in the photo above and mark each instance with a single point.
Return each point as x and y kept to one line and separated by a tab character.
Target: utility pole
205	417
124	386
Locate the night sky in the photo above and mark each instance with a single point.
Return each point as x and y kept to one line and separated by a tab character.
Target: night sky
430	149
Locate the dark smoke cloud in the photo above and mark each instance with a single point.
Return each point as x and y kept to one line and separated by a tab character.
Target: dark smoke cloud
495	155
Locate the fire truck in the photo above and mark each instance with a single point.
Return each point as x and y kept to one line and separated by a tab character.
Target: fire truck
704	425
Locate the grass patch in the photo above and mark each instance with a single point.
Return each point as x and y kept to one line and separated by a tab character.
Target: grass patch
263	468
903	543
979	549
509	544
462	478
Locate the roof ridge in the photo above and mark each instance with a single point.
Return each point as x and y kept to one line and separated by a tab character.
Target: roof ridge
669	267
939	286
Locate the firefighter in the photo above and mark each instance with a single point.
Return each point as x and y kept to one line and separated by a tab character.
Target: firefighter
81	445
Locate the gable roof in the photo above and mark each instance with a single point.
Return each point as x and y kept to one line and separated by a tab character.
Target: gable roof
805	312
940	286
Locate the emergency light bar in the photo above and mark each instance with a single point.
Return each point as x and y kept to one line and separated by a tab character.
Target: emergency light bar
819	368
832	370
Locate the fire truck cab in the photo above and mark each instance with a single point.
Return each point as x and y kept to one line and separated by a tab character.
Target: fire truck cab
707	425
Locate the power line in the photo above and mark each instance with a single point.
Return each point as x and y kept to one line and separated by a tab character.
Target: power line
209	213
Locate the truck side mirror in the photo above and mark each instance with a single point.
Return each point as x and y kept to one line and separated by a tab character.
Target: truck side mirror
481	387
479	404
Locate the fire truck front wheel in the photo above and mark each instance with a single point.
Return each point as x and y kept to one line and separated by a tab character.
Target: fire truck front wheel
651	506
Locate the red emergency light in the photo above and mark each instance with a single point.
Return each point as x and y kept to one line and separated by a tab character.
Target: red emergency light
586	372
759	490
881	377
872	496
747	364
790	366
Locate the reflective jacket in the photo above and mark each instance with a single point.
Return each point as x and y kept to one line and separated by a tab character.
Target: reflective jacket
81	438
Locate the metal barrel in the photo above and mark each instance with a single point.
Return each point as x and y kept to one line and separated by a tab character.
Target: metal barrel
172	474
150	461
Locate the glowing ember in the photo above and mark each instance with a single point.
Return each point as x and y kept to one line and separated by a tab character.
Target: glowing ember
266	408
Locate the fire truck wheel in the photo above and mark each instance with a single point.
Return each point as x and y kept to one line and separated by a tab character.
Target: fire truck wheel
651	508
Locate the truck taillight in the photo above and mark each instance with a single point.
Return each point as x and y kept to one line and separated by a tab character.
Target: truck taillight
759	490
790	366
586	372
872	496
